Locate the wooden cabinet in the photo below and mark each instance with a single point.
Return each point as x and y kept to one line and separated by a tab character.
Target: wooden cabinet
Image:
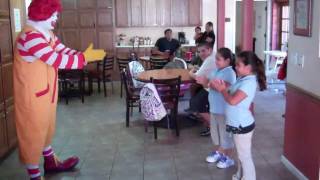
5	42
195	12
3	137
87	28
69	19
11	127
155	13
8	137
87	4
69	4
179	13
105	4
164	13
136	13
149	13
122	13
4	6
104	35
87	21
3	129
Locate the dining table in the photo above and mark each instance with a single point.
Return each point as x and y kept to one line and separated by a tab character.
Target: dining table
165	74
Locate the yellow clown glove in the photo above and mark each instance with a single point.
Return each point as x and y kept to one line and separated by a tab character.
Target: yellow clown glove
92	55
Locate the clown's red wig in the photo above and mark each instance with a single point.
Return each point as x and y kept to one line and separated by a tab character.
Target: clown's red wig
40	10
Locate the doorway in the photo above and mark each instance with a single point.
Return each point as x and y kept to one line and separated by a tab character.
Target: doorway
260	27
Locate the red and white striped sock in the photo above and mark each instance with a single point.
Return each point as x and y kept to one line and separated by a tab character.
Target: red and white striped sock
48	152
33	171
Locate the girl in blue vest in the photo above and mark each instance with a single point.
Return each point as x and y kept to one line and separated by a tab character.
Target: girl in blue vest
239	119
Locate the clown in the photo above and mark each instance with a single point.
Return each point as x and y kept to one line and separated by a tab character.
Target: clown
38	56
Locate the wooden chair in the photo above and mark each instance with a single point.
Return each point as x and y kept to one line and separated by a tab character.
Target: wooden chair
72	84
103	73
169	90
123	62
132	96
158	62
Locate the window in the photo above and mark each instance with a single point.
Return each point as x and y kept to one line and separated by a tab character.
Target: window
285	27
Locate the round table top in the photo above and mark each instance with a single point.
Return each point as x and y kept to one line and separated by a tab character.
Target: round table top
165	74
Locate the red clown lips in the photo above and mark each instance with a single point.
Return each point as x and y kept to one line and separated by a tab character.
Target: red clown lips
40	10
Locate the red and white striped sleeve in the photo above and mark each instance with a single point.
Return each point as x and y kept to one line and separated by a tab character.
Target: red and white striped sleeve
33	46
61	48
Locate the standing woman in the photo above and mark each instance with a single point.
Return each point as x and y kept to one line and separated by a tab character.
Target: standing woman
208	36
239	119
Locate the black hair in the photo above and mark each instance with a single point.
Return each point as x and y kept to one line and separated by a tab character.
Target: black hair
205	44
226	53
167	30
250	58
198	27
210	24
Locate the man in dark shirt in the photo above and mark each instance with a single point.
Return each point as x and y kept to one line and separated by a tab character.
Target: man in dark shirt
166	46
208	36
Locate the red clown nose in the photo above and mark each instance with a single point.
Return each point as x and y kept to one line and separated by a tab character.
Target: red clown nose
40	10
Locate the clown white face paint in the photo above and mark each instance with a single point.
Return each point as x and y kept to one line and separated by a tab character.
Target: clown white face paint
50	23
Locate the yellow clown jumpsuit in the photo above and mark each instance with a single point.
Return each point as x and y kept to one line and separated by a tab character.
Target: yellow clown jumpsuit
35	101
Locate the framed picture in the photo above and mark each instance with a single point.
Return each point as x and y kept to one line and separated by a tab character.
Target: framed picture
302	17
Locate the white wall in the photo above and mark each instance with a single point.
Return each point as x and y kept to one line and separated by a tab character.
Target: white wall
209	13
306	78
260	28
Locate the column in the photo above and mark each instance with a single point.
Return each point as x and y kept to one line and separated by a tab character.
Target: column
247	25
221	23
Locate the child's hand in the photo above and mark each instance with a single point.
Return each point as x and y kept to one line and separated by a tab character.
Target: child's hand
218	85
202	80
211	84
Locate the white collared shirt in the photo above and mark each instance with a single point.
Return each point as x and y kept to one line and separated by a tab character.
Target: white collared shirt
38	27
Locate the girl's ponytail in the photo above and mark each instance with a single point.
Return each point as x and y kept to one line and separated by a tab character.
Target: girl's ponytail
261	75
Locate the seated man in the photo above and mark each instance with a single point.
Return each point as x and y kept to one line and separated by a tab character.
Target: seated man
166	46
199	96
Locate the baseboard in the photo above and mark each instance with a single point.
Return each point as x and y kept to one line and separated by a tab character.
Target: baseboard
293	169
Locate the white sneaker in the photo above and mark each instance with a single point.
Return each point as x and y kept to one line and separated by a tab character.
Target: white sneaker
225	162
213	157
235	177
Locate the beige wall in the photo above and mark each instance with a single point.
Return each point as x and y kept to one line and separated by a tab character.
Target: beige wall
307	77
209	13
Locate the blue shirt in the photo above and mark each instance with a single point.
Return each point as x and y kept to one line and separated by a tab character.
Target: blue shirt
240	114
216	99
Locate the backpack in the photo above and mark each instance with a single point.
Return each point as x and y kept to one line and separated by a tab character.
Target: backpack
152	107
135	68
282	73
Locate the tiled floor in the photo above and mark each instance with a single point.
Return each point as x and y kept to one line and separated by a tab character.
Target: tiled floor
95	132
